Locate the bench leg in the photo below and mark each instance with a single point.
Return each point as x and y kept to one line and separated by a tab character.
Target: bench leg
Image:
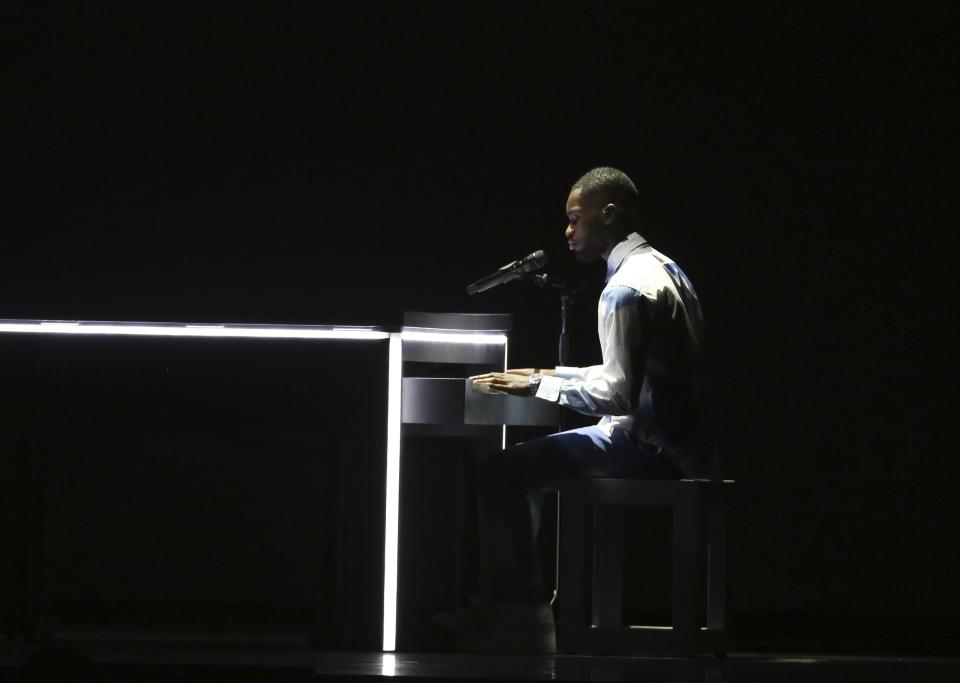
688	575
607	566
572	553
716	567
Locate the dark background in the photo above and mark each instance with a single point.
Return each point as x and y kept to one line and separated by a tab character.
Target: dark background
247	162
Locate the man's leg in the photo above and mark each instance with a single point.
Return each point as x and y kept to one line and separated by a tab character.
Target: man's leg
511	484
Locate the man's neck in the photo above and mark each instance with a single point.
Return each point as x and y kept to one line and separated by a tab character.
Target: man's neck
611	245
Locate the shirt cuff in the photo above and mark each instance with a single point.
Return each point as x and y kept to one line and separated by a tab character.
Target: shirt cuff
549	389
567	372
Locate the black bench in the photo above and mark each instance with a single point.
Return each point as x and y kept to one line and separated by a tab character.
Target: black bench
699	566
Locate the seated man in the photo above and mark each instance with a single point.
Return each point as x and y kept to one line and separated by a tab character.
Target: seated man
647	392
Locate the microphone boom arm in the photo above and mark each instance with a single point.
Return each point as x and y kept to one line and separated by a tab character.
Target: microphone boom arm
516	270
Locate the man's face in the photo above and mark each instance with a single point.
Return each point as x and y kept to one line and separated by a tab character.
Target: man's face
585	231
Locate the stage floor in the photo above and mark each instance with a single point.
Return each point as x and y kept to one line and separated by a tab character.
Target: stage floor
184	663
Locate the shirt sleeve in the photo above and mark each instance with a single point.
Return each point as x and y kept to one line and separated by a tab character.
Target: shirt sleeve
605	389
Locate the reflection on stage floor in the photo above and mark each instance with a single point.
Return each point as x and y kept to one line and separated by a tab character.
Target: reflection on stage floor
160	663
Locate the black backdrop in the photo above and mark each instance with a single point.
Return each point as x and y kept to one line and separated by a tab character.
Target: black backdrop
246	161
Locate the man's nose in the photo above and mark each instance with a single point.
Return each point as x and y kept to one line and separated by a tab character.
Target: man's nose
568	232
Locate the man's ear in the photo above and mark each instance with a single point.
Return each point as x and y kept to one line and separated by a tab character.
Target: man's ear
607	213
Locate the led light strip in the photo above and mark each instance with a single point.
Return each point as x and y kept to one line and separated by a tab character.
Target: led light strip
391	531
506	366
454	337
188	330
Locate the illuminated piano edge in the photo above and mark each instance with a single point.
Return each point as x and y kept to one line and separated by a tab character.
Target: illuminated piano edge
453	337
154	329
240	330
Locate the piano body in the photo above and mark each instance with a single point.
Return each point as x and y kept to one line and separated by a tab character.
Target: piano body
395	479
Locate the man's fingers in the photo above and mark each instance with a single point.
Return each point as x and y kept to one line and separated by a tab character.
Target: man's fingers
489	377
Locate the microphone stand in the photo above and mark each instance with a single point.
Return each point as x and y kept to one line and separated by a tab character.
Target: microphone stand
564	351
567	296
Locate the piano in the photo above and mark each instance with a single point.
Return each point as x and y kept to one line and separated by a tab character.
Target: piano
425	358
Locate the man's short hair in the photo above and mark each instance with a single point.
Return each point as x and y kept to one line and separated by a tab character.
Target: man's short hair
613	185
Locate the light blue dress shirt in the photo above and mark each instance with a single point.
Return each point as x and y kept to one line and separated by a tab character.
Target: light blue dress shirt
650	327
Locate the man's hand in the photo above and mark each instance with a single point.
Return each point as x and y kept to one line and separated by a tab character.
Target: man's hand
526	372
510	382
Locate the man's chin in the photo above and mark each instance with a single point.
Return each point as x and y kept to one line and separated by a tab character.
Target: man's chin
585	257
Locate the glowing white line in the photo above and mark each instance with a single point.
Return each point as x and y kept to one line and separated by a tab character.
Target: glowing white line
796	660
391	523
388	665
503	429
148	329
260	331
454	337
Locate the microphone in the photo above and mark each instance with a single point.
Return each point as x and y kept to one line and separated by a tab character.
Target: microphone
512	271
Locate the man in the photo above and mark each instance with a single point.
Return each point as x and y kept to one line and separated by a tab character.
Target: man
647	392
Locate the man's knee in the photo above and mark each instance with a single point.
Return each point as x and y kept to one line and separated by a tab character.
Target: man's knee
525	465
496	470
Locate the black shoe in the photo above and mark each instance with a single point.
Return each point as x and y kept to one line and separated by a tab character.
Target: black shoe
513	629
465	620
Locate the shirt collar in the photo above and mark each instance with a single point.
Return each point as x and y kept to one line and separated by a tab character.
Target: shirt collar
619	253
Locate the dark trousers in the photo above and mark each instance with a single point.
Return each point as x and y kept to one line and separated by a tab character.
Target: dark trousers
511	485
